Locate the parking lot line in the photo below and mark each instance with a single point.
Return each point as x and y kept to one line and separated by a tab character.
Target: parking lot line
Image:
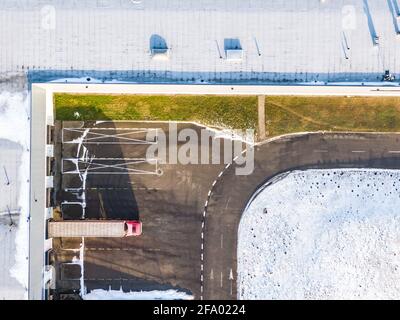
93	137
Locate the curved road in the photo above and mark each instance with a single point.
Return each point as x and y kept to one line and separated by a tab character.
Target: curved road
230	194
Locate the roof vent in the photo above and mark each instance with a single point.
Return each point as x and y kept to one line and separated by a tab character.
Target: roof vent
158	48
233	50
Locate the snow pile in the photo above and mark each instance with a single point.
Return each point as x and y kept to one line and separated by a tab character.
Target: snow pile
100	294
82	265
244	136
14	117
322	234
15	126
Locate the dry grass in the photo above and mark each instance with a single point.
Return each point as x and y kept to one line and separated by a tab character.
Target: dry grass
284	114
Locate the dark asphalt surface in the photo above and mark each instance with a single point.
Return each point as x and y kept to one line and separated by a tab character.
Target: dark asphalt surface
170	207
231	194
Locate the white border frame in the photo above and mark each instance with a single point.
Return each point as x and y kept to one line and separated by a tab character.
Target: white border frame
43	116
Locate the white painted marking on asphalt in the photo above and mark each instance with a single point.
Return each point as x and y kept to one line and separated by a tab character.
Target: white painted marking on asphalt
231	280
227	203
203	225
320	151
358	151
222	240
394	151
212	274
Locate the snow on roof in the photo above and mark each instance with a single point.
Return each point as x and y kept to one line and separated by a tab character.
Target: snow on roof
160	54
234	54
293	40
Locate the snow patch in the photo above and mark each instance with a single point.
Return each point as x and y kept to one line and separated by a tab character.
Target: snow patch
322	234
81	263
15	126
101	294
230	134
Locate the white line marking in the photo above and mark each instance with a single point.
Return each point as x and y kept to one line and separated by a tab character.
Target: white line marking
227	203
320	151
122	167
394	151
119	136
222	279
222	240
358	151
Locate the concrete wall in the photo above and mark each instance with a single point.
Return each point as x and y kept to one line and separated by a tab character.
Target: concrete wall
42	116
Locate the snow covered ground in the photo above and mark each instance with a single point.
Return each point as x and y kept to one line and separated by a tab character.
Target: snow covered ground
292	40
14	194
100	294
322	234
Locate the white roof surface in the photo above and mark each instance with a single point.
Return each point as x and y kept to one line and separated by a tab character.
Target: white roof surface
303	40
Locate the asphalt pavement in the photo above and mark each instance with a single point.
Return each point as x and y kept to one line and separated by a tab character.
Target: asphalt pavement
190	213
